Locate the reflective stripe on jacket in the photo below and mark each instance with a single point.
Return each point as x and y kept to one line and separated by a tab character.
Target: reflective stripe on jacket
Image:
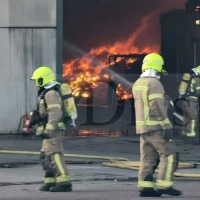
150	108
194	89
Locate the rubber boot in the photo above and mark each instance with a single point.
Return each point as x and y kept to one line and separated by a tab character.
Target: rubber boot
192	134
149	192
170	191
61	188
46	187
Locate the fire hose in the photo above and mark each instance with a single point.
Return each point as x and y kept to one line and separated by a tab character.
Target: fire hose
116	162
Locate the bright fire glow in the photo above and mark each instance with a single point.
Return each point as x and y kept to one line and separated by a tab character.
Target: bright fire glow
86	72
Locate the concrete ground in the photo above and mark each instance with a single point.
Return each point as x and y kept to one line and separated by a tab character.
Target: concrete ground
21	175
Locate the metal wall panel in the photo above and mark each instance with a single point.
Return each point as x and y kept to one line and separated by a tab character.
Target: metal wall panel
4	13
5	83
32	13
27	50
27	13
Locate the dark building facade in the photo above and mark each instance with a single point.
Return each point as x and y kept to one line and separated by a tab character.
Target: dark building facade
180	39
180	46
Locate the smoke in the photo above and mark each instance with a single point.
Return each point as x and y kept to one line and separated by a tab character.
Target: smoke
80	53
90	24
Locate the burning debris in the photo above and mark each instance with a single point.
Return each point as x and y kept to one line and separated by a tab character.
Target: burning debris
89	71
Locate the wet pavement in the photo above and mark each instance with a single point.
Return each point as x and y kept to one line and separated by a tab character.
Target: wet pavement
21	175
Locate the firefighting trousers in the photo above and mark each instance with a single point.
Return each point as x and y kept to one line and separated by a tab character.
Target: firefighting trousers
52	158
156	151
190	109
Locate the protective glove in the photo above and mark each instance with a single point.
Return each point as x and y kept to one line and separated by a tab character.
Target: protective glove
34	118
169	134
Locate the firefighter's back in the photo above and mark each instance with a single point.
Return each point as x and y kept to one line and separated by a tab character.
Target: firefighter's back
143	112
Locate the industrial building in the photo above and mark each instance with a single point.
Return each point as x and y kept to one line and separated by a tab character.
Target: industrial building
28	31
36	40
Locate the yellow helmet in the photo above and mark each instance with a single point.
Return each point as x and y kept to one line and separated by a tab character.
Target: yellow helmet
42	76
198	69
153	61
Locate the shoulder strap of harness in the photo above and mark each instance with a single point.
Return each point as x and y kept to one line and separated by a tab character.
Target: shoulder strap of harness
41	96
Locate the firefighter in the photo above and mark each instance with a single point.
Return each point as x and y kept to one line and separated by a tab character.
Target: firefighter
155	131
189	92
49	116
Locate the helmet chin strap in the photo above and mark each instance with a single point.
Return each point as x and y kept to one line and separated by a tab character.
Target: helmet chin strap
150	73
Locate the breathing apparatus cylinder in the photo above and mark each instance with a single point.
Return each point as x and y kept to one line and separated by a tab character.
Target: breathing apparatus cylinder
68	100
184	84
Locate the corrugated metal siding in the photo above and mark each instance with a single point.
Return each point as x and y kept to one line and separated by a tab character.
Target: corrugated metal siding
28	13
5	83
4	13
32	13
27	50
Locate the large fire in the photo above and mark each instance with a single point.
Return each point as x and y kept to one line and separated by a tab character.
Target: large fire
88	71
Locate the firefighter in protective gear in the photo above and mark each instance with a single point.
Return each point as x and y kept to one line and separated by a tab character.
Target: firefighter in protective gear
155	130
189	91
50	108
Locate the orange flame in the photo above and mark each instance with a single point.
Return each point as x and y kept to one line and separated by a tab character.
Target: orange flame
85	72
